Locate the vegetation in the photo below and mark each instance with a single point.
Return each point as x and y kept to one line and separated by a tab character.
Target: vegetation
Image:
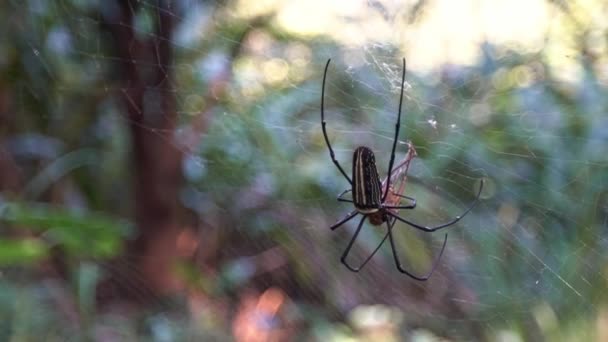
164	176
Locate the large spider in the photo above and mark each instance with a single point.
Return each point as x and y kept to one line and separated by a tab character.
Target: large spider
371	197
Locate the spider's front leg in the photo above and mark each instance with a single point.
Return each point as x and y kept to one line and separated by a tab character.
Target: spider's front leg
393	201
443	225
349	215
324	129
342	199
408	206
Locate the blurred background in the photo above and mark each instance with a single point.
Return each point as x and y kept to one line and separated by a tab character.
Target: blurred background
164	177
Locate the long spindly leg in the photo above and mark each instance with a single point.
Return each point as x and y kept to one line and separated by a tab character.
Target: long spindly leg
331	151
350	245
398	263
344	199
392	160
347	218
443	225
357	269
408	206
407	197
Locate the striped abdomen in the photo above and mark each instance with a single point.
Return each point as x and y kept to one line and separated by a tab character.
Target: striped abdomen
367	189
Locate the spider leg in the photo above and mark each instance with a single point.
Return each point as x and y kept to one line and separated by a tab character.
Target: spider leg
409	206
331	151
357	269
398	263
392	160
443	225
406	197
347	218
350	245
344	199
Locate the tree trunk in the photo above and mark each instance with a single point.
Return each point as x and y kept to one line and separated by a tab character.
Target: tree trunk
145	68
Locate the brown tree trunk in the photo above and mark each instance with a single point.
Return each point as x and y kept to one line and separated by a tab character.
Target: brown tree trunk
145	68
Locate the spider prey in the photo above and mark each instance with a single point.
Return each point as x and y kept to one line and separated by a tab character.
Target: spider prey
371	198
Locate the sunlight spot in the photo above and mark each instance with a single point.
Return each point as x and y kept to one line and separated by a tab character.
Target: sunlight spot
507	336
545	317
259	42
423	335
602	324
194	167
376	322
501	80
298	54
275	70
508	214
602	72
296	16
480	114
253	90
193	104
252	9
187	243
522	76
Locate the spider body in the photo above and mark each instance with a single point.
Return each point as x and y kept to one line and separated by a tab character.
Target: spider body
375	201
366	186
377	218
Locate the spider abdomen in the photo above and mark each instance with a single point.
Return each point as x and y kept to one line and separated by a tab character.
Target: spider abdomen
367	188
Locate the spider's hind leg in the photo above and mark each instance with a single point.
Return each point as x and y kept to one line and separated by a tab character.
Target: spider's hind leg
350	245
398	262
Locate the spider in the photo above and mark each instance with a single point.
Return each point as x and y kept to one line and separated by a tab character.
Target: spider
377	201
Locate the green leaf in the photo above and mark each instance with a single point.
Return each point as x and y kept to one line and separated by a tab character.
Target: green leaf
20	252
82	233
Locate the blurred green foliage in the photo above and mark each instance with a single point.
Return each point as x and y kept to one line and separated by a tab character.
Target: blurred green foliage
528	263
81	235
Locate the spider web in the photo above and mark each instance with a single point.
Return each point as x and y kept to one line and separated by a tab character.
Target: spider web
521	109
